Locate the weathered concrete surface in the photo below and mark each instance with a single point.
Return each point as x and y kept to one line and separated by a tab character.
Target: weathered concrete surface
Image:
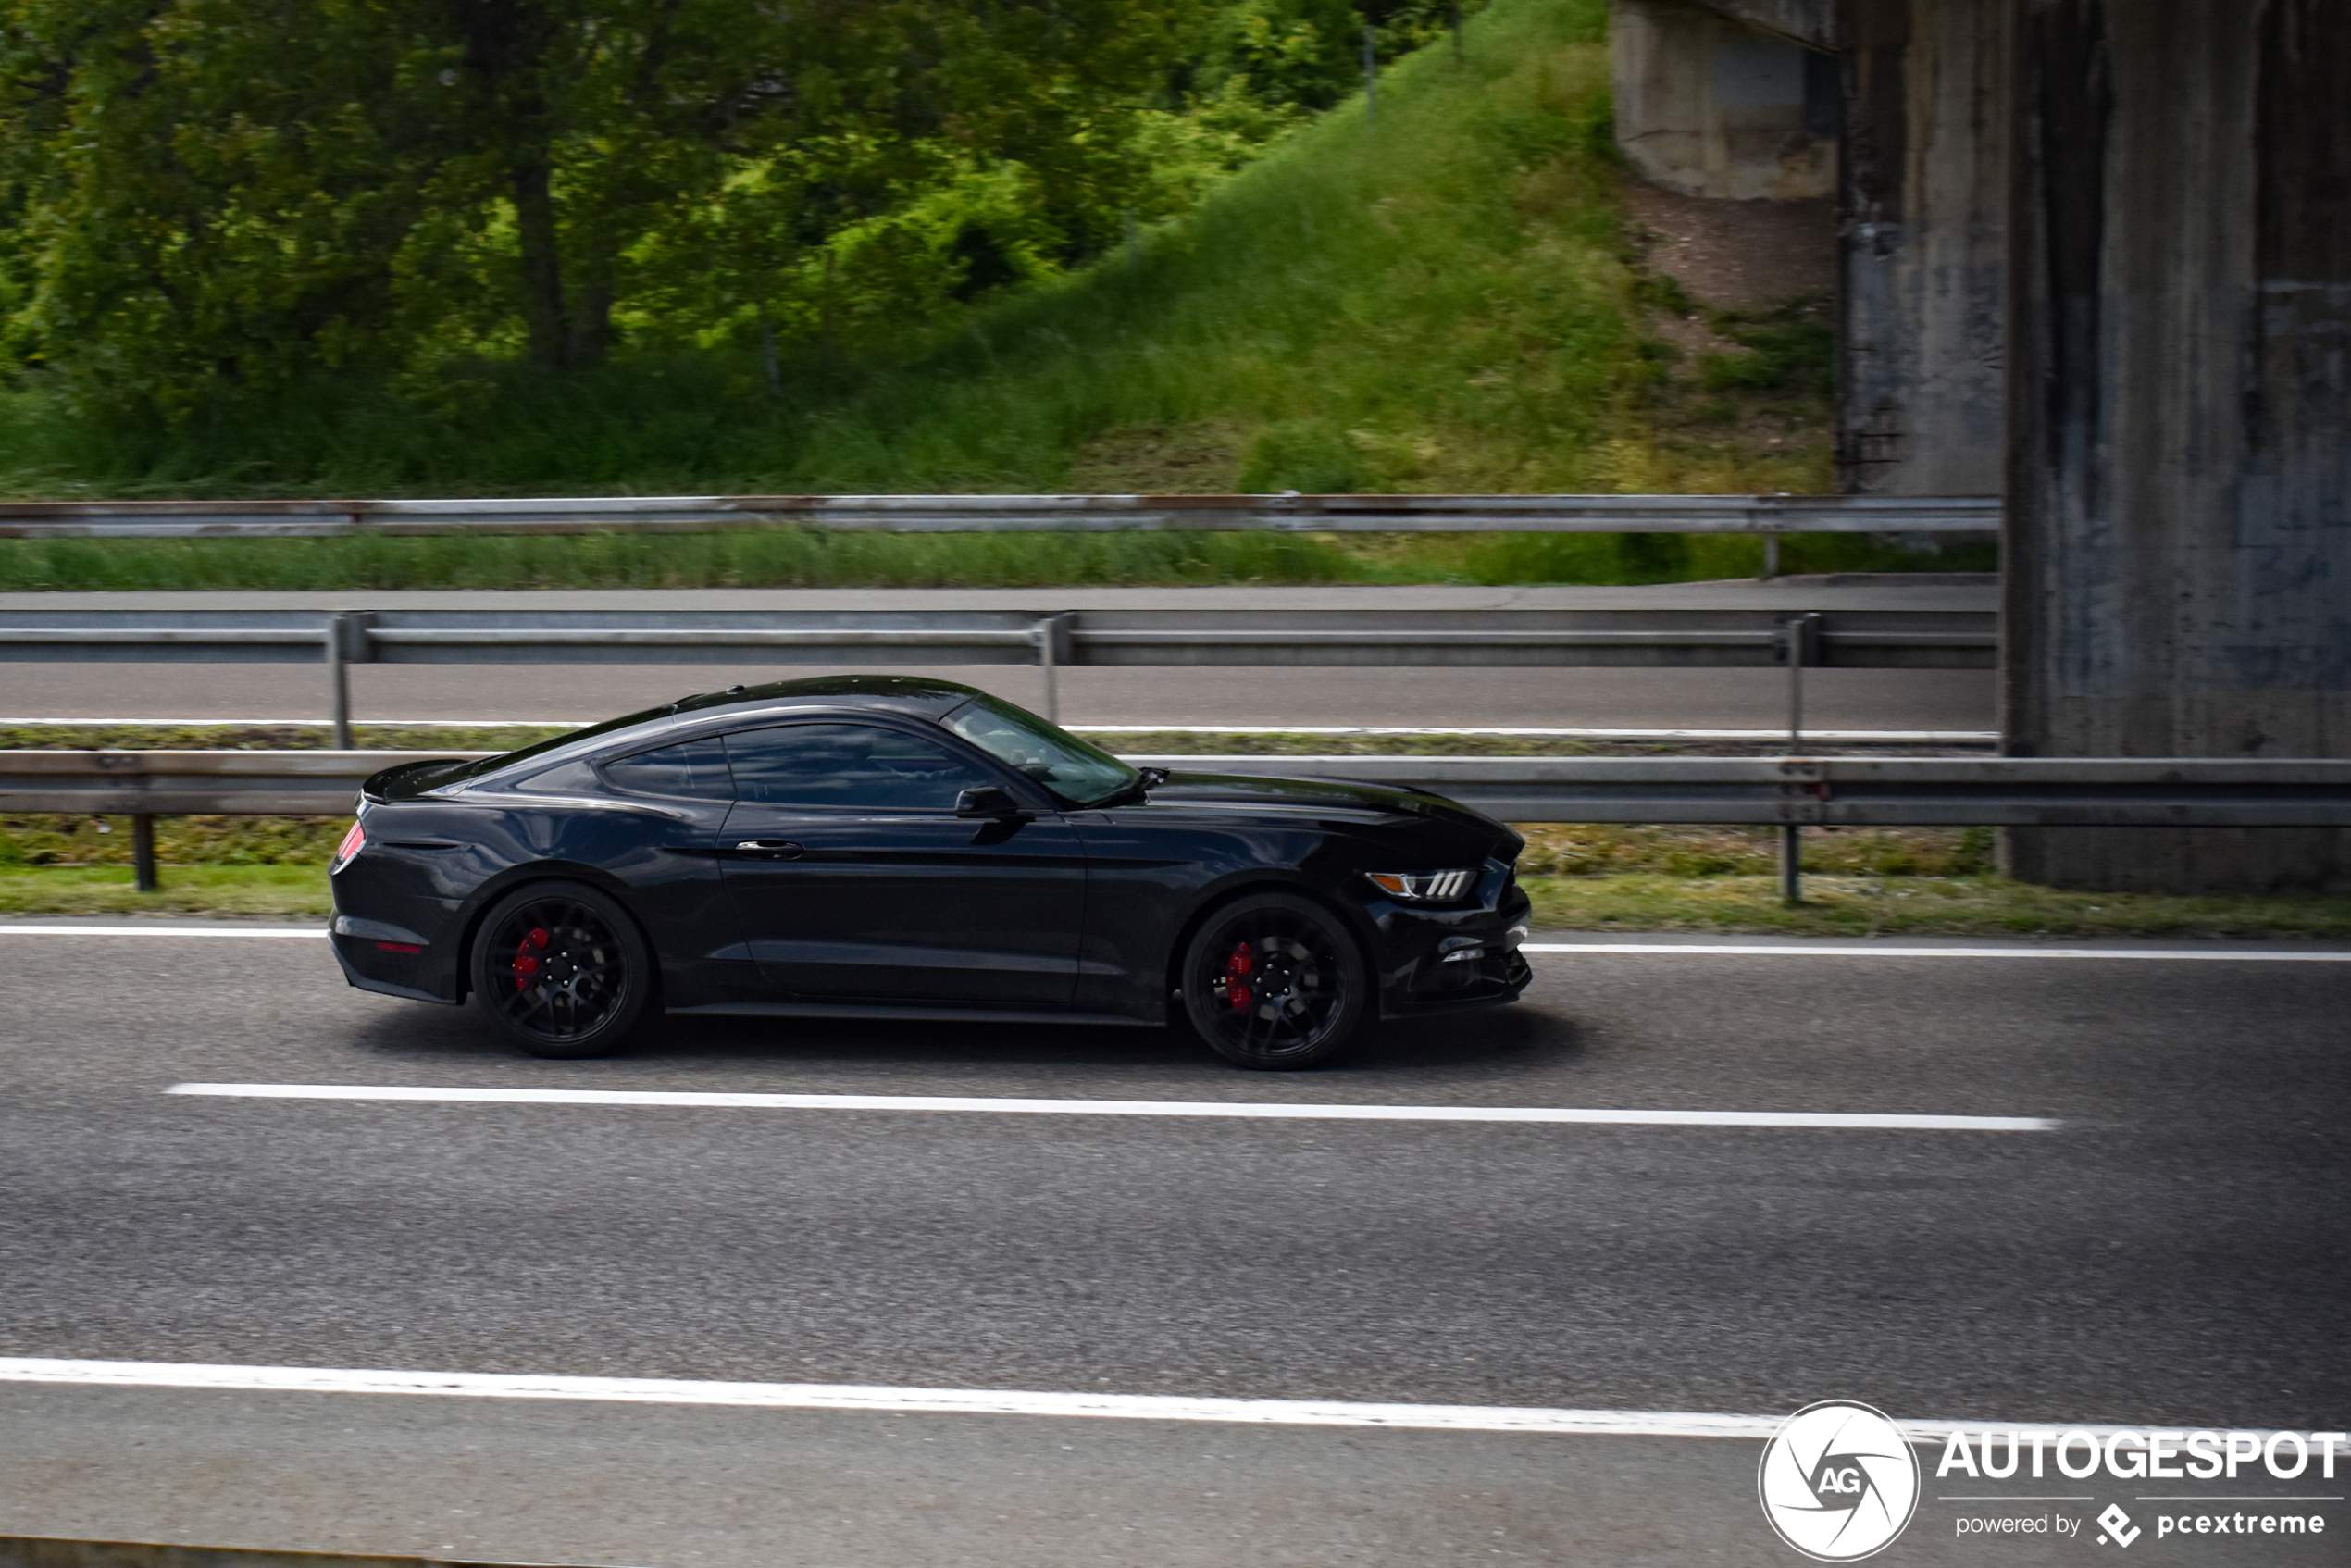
1814	23
1924	247
1901	106
2179	549
1710	107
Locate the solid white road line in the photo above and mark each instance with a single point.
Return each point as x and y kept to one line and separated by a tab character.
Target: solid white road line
720	1100
1531	1419
1873	950
12	929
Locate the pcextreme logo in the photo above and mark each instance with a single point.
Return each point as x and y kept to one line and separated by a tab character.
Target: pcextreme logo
1838	1482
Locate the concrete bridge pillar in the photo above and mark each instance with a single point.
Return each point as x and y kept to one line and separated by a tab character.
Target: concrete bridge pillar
1709	104
1899	108
2178	559
1923	246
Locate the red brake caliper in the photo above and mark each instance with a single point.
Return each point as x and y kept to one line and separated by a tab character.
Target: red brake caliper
524	965
1237	969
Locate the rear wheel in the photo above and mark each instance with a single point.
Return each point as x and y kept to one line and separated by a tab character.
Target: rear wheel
1274	981
563	970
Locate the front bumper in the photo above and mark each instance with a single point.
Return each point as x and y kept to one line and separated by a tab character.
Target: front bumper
1443	960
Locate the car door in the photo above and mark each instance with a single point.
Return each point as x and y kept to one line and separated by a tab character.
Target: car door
852	877
662	846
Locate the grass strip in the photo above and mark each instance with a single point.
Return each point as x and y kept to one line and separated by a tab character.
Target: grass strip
1888	906
287	892
801	557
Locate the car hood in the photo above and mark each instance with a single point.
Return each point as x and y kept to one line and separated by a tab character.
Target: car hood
1327	794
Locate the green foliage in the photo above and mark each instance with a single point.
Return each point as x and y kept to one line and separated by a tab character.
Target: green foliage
269	893
1899	905
1444	288
811	558
213	199
1311	457
1791	348
212	841
1612	849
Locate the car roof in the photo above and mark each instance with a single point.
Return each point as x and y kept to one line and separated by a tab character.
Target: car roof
917	695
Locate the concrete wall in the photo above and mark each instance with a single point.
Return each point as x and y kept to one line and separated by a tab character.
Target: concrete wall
1814	23
1721	99
1710	107
2179	554
1923	232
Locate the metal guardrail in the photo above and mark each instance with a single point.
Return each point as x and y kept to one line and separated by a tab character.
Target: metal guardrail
1655	637
1789	792
1766	514
1877	639
1803	790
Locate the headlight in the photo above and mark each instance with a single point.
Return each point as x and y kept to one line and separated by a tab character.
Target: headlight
1423	887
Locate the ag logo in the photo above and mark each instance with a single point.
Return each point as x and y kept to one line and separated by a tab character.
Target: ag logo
1837	1482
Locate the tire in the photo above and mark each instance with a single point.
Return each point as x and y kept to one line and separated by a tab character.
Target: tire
1274	981
563	971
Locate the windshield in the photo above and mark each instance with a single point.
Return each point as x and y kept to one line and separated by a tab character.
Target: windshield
1078	773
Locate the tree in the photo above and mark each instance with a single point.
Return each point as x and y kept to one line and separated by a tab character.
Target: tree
210	194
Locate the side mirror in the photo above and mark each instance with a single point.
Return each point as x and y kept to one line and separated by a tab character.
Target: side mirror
987	800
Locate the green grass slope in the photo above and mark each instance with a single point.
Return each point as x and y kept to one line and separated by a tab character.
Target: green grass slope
1439	298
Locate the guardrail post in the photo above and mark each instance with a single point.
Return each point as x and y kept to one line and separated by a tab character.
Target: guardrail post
1799	645
346	639
1052	633
1771	556
143	850
338	681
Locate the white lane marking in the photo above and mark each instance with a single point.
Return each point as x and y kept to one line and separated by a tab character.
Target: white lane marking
1847	949
13	928
1529	1419
724	1101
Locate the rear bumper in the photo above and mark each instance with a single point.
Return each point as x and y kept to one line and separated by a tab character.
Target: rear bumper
390	960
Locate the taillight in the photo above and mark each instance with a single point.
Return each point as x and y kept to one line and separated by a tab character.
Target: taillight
353	842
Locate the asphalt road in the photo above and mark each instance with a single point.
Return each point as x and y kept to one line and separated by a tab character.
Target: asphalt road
2176	1251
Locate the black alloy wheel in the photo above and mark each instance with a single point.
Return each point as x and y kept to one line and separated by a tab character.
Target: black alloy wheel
1274	981
563	970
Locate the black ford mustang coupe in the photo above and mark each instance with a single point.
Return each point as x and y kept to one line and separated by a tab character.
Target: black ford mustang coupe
884	847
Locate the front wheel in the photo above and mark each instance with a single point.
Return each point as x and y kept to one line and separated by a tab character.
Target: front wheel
1274	981
563	970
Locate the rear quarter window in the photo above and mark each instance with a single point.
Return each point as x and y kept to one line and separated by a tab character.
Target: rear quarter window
693	769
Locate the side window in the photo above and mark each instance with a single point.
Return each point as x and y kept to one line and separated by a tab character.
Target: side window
695	769
853	766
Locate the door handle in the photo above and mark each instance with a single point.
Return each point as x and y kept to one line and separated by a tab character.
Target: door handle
778	848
